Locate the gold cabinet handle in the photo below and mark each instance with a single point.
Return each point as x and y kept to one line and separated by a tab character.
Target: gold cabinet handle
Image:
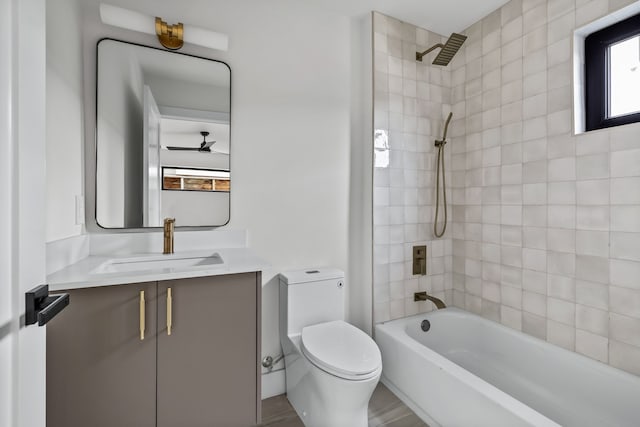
142	316
169	311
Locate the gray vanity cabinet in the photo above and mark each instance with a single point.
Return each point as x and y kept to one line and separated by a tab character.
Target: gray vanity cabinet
99	371
213	338
204	373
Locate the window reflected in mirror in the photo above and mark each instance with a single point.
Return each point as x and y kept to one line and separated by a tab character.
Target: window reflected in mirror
180	179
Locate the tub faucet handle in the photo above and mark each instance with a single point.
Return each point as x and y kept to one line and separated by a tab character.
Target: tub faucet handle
420	260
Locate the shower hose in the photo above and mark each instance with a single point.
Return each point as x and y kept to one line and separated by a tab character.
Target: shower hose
440	172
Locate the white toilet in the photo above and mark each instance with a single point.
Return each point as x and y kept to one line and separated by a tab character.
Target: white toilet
332	367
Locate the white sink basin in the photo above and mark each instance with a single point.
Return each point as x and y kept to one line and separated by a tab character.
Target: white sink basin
159	263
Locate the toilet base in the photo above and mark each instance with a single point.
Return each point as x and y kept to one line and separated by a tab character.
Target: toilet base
324	400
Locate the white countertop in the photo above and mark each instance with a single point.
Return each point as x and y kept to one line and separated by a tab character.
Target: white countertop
83	273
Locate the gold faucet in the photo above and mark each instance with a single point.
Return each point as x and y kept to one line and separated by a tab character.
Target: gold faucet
423	296
168	235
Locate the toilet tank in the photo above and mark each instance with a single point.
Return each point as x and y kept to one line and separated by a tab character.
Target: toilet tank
310	296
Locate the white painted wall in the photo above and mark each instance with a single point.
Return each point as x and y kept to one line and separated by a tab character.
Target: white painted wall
290	143
65	115
192	159
196	207
299	114
182	94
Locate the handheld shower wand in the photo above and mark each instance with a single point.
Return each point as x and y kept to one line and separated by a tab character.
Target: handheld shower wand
440	171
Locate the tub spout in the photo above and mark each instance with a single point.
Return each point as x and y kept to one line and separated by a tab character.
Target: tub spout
423	296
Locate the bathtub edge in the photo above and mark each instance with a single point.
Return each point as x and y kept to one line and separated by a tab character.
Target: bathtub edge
424	416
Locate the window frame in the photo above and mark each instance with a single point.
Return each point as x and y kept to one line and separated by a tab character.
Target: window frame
597	78
196	169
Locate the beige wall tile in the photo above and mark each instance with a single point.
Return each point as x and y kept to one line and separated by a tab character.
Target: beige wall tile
624	301
546	224
592	320
624	329
561	335
624	356
534	325
592	345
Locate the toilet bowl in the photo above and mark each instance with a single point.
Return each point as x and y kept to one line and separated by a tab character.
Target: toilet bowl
332	367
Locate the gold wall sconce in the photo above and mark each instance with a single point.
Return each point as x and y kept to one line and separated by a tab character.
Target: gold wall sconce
170	36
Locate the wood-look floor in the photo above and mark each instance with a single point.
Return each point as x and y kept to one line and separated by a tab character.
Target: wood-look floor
385	409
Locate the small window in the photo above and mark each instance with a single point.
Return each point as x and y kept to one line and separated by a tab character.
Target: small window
612	73
184	179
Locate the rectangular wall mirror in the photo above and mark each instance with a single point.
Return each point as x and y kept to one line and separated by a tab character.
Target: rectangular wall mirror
162	138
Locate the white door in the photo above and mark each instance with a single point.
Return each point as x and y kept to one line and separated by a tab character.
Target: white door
151	185
22	208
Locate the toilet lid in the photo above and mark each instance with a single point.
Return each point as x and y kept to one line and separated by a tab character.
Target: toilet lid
341	349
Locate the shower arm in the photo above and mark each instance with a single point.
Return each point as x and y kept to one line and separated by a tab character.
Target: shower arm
431	49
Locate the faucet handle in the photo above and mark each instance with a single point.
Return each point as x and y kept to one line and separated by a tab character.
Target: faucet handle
168	235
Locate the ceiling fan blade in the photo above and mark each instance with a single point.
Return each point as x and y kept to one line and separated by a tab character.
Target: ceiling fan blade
183	148
206	144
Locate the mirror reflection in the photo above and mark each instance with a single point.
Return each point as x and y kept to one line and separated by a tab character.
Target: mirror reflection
162	139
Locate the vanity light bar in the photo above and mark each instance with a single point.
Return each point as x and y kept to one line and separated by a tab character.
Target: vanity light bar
136	21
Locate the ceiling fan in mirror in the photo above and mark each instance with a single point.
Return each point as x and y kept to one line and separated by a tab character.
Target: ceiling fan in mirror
205	146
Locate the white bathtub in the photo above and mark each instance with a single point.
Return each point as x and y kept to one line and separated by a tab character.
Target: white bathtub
469	371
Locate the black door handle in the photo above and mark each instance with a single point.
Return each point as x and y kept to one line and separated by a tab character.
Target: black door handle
42	307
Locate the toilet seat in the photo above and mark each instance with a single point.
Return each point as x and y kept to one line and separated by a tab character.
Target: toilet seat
342	350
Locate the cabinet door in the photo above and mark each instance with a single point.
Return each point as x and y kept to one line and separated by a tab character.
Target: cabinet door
99	371
208	367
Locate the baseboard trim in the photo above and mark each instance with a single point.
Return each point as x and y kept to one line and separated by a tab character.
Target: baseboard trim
273	383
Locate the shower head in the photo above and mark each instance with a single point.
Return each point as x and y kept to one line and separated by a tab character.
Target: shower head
448	49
